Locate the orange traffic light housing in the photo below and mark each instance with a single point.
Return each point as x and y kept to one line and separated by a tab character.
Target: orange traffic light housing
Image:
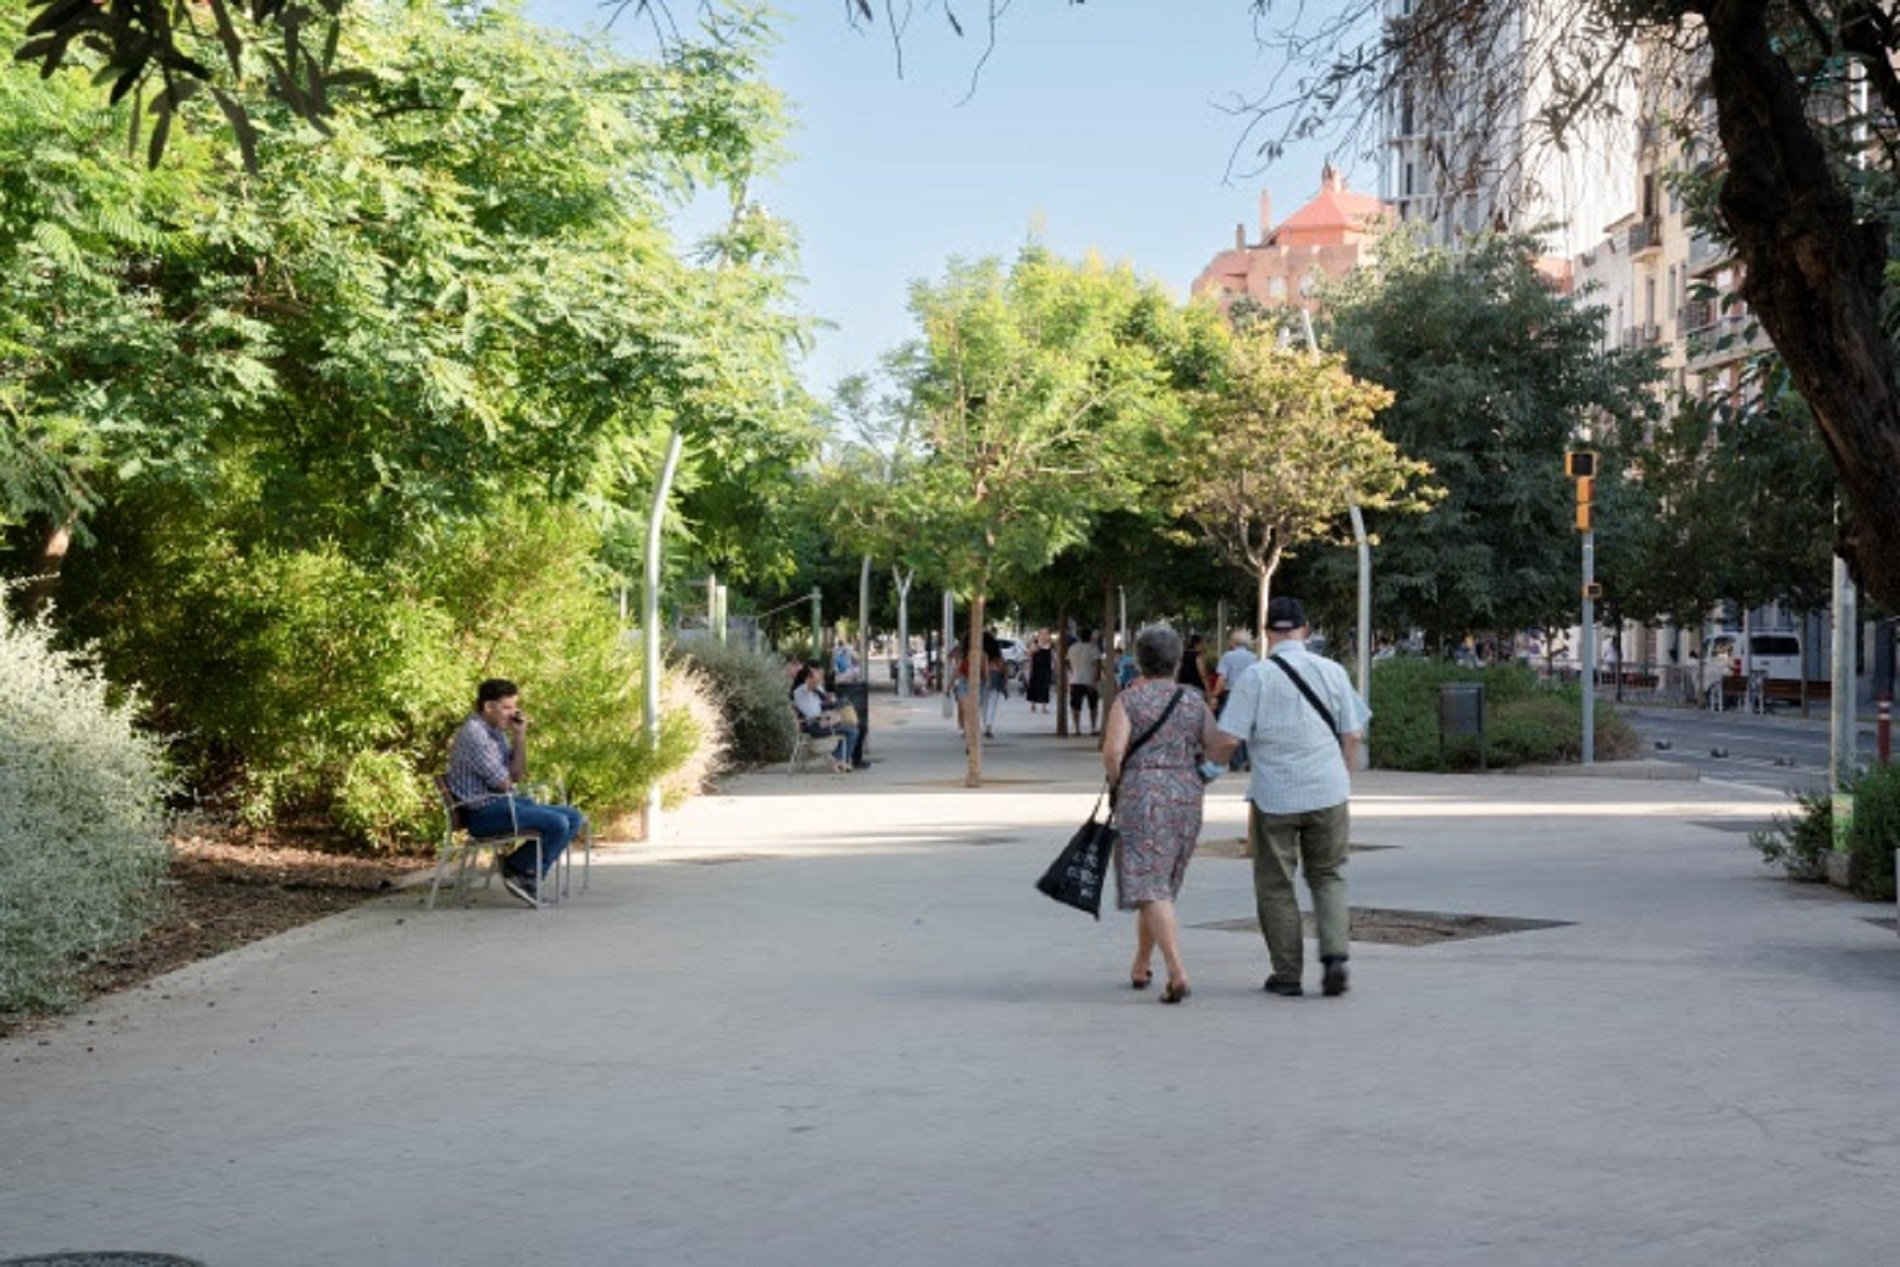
1584	521
1580	464
1586	490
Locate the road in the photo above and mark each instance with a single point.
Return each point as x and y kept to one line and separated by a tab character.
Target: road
1774	752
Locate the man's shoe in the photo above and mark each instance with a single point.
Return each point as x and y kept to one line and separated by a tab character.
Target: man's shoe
523	889
1289	989
1335	982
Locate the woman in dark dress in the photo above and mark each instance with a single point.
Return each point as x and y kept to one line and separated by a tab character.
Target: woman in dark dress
1191	671
1042	672
1158	799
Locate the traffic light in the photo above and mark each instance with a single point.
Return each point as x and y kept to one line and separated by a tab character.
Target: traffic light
1592	590
1584	523
1580	464
1586	489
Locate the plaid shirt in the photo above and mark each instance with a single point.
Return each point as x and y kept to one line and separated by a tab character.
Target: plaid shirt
478	762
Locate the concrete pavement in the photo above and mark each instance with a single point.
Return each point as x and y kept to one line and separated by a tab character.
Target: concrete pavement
829	1021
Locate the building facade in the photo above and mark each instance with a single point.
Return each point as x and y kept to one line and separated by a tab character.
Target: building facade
1324	240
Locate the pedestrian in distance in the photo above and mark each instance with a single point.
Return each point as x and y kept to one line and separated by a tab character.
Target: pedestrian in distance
995	680
1233	666
1085	667
1302	722
1158	733
488	764
1191	671
1042	673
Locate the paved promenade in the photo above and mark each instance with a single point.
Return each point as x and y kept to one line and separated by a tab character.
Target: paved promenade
829	1022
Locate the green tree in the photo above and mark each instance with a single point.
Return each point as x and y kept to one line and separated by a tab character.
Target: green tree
1289	445
1493	375
1807	115
1027	392
462	308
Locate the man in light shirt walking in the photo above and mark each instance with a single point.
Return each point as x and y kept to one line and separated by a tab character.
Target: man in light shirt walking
1302	723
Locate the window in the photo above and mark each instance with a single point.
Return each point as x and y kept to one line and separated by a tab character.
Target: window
1649	301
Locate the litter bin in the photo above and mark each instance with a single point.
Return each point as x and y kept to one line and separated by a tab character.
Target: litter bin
859	694
1461	713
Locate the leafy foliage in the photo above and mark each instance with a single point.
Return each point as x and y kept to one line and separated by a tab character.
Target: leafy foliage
1493	375
82	819
1802	841
751	693
1285	444
1526	722
337	433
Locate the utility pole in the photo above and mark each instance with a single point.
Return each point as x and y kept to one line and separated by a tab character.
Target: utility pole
1581	466
650	618
1843	745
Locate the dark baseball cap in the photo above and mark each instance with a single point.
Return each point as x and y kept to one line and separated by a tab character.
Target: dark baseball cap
1284	614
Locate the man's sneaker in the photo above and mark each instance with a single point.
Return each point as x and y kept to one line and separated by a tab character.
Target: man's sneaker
1290	989
524	889
1334	983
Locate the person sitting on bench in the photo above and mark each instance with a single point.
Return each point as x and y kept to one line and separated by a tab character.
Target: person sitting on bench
820	716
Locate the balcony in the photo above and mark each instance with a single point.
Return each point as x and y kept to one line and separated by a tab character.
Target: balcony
1695	316
1706	254
1641	337
1645	236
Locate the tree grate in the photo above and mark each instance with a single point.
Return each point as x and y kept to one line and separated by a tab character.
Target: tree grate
1379	926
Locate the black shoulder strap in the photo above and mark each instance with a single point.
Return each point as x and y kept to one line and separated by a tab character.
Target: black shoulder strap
1148	734
1325	713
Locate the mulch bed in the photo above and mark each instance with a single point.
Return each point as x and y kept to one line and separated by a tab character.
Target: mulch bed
229	888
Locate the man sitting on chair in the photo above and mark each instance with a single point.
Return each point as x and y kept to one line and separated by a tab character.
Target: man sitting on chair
487	761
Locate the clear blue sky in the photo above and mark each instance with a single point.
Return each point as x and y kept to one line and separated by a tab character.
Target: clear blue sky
1094	127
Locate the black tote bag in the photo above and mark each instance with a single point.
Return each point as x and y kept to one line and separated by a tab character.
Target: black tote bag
1080	871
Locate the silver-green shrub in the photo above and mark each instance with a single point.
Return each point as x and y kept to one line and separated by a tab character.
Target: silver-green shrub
82	819
754	695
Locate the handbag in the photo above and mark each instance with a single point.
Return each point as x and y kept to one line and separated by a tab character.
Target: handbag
1077	876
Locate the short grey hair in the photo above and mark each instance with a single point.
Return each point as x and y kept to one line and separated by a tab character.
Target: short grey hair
1157	651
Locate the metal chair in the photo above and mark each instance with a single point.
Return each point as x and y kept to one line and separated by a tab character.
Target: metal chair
462	845
804	747
555	793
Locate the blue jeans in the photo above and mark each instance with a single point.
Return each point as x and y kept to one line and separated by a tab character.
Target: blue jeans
848	746
556	823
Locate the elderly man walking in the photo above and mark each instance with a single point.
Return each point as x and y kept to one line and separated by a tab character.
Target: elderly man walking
1302	722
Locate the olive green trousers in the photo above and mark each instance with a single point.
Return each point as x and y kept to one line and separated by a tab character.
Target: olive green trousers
1283	844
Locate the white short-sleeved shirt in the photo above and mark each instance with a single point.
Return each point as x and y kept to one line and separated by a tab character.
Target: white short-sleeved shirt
1234	665
1085	663
1297	765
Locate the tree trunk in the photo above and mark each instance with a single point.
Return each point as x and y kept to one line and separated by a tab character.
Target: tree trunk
52	558
973	694
1262	591
1062	671
1813	276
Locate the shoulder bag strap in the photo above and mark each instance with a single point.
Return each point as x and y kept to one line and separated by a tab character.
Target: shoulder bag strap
1148	734
1325	713
1142	738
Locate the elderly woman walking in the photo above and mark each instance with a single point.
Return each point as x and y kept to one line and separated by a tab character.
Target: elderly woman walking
1158	732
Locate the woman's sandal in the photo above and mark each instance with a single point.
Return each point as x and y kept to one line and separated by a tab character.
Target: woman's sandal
1141	982
1175	993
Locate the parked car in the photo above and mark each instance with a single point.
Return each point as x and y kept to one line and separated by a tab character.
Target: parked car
1776	656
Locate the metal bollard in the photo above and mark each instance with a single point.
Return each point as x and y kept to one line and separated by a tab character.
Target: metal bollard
1883	728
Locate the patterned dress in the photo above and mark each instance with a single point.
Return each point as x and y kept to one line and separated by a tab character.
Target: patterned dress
1159	806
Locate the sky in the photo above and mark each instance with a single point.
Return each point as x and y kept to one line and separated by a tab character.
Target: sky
1094	127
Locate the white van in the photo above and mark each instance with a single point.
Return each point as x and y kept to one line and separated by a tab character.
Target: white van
1776	656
